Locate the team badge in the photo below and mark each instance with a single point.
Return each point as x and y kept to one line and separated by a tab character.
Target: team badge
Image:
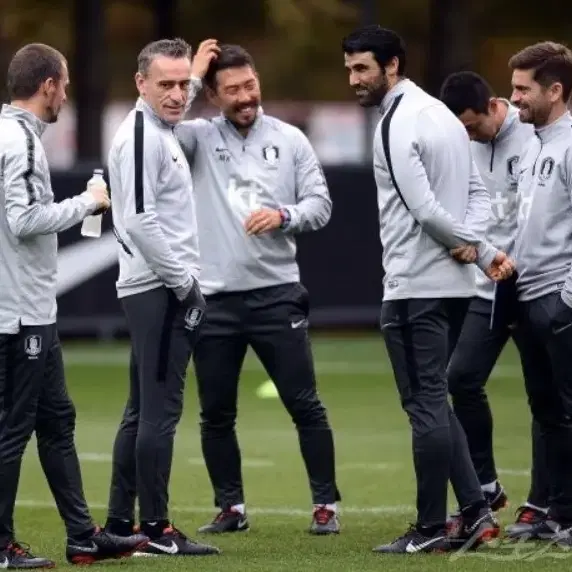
271	154
193	317
33	346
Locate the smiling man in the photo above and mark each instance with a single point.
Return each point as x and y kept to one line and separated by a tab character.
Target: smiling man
541	88
154	218
258	184
433	211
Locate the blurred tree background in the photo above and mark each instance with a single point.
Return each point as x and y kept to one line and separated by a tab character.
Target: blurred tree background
296	43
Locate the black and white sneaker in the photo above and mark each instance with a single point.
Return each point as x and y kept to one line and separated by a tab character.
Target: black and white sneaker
545	529
226	521
103	545
414	542
498	499
174	543
18	556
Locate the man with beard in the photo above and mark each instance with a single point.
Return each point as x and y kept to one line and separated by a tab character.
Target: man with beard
33	393
499	140
258	183
433	210
542	84
154	221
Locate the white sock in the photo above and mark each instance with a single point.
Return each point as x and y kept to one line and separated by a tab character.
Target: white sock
490	487
333	507
534	507
239	508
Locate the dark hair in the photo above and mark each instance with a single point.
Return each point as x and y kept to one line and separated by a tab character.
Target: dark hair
551	63
230	56
30	67
384	44
466	90
175	49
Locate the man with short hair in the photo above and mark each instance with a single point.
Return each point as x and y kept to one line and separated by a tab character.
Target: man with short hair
258	184
433	214
541	87
155	225
499	140
33	393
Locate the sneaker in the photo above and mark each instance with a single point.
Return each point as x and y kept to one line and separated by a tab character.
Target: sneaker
226	521
414	541
476	530
324	521
498	499
545	529
527	518
454	524
174	543
18	555
103	545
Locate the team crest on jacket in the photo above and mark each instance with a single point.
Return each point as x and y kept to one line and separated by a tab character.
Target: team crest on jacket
193	318
271	154
546	168
33	346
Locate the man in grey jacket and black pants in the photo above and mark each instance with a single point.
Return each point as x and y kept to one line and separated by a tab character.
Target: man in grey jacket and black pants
542	84
155	224
258	183
433	210
33	393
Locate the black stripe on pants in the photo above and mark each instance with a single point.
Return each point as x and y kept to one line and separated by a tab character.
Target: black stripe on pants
161	347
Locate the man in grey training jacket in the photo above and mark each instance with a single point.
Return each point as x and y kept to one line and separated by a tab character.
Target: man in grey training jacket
542	84
499	140
33	392
155	223
434	210
258	183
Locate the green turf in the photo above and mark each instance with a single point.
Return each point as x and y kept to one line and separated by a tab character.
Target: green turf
373	458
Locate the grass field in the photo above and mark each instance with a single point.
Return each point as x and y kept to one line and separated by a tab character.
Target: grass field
373	458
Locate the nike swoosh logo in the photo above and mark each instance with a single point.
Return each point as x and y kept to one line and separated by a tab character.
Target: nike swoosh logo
242	523
84	260
173	549
412	547
562	328
298	324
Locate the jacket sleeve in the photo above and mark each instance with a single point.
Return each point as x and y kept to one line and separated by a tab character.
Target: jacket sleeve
313	207
27	215
479	210
407	169
139	163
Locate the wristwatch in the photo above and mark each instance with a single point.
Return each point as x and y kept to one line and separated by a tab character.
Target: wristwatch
285	217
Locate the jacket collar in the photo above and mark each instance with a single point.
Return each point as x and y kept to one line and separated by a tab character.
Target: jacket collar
151	114
562	125
19	114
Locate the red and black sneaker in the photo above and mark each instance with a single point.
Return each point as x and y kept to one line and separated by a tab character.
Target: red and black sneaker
324	521
528	518
18	556
226	521
103	545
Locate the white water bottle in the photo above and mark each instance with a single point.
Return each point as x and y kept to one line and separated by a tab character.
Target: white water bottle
92	224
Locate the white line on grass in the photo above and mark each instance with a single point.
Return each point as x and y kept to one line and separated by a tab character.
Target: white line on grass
115	357
271	511
514	472
249	463
267	464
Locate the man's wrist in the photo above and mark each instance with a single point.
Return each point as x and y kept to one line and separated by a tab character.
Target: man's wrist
285	217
